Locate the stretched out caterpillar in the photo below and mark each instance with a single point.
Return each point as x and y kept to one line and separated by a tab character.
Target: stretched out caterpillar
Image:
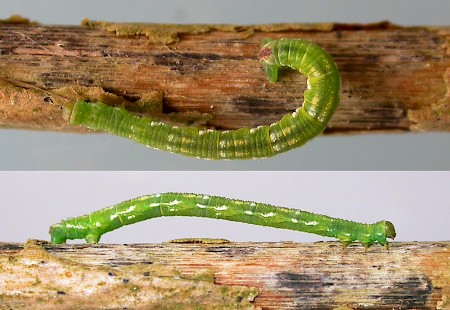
91	227
293	130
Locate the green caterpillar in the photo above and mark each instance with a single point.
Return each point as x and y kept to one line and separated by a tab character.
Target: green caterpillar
91	227
293	130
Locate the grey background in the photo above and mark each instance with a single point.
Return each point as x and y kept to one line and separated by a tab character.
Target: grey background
26	150
416	202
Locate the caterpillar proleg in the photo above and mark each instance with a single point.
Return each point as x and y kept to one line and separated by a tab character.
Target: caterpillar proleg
293	130
91	227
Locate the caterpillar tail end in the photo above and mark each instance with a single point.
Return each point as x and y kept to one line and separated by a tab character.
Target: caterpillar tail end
57	235
67	110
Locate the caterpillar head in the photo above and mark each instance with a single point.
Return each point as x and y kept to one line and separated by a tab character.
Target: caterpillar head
266	56
390	230
383	230
266	53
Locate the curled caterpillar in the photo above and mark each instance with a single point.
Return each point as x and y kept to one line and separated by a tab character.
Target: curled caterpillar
91	227
293	130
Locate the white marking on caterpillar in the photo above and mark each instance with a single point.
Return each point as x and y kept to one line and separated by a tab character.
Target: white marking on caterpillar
130	209
221	208
313	223
274	136
270	214
75	226
277	147
116	214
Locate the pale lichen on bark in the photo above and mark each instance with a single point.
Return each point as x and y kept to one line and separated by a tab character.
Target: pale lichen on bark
33	278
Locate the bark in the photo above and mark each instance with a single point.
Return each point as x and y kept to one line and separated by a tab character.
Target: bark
393	78
225	275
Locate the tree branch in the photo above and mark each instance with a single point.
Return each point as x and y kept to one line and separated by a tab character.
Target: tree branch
225	275
393	78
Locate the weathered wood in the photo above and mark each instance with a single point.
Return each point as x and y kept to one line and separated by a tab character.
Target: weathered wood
394	78
225	275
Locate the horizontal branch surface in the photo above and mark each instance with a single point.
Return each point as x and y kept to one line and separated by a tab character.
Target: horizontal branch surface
393	78
226	275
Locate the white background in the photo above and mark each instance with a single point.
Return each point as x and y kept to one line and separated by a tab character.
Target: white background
416	202
27	150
